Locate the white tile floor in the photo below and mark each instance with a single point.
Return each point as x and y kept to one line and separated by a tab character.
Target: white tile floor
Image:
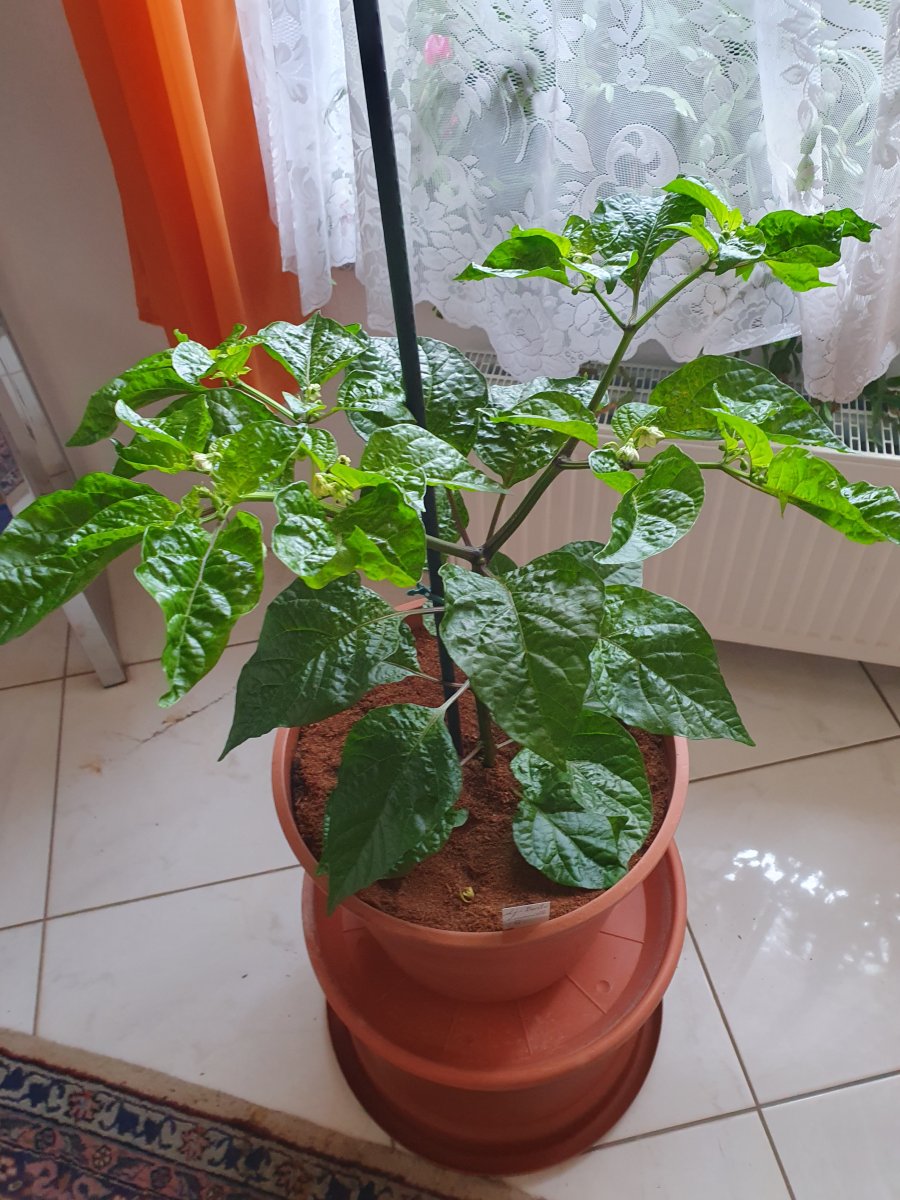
148	910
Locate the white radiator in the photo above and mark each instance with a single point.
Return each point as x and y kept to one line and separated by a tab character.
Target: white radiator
750	574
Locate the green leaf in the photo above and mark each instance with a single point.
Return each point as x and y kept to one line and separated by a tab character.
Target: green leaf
318	653
793	237
203	584
735	430
606	466
515	452
54	548
436	840
655	667
861	512
168	442
314	351
524	640
697	229
153	378
378	534
447	527
580	824
385	535
587	551
191	361
627	224
254	458
726	218
556	411
799	277
738	387
404	449
231	410
398	780
405	659
658	511
453	391
740	248
629	416
525	254
411	481
320	446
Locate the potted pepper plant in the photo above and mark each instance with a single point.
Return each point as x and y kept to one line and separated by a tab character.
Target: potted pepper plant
493	908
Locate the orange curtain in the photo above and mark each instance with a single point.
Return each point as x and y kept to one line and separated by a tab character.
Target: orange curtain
169	84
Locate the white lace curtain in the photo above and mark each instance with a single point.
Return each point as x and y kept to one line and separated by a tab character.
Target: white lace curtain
525	110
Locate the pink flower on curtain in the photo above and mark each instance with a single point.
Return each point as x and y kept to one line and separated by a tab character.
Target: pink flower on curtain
437	49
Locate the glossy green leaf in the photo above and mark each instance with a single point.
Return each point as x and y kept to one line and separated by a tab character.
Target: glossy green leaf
453	391
318	653
726	217
793	237
606	466
581	823
525	254
314	351
168	442
153	378
385	535
54	548
628	223
739	249
556	411
191	361
655	667
320	446
658	511
735	430
398	781
434	841
861	512
403	449
203	583
447	526
524	640
231	410
254	458
378	534
410	481
629	416
745	390
516	452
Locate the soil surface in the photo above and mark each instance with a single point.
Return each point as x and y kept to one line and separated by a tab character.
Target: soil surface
481	854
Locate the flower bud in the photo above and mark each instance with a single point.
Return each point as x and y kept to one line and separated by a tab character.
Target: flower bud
627	454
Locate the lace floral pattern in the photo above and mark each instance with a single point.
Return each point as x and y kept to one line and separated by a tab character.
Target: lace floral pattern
524	110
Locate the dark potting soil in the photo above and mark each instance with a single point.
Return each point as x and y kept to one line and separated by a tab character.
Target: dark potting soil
481	854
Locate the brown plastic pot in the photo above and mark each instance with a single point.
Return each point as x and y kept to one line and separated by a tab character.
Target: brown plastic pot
501	965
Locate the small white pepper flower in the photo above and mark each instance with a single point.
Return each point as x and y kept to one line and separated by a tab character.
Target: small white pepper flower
647	435
627	454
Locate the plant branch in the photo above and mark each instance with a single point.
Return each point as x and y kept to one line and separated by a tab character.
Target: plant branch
460	688
496	515
457	517
486	734
262	398
472	553
610	311
673	291
550	472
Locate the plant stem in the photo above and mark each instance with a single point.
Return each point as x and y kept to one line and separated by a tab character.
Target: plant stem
488	748
472	553
673	291
457	517
262	398
258	496
460	688
595	292
496	515
550	472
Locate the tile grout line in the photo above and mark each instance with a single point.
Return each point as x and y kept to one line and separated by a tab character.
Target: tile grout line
756	1104
877	686
650	1133
59	734
191	887
780	762
833	1087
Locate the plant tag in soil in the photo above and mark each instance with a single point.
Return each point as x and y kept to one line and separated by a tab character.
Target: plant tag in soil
525	914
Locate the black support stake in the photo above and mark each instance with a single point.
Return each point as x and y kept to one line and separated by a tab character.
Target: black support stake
384	155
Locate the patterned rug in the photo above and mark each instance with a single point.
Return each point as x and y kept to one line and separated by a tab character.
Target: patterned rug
75	1125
